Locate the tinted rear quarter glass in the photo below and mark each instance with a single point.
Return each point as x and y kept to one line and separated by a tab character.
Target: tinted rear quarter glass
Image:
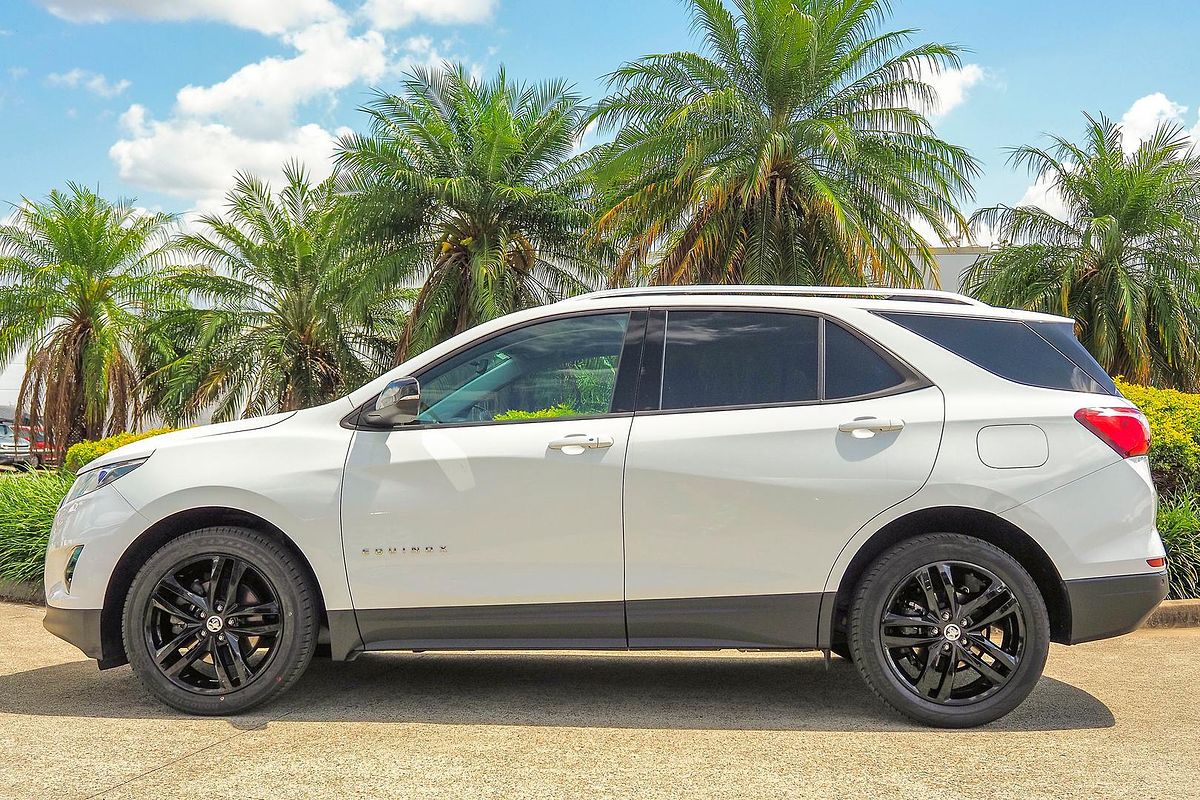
716	359
852	368
1062	336
1008	348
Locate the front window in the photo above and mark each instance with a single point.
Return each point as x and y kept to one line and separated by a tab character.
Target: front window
559	368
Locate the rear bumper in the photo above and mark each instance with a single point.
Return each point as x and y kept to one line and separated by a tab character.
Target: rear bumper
1105	607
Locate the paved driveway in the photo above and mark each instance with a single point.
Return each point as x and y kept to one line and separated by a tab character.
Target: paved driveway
1111	719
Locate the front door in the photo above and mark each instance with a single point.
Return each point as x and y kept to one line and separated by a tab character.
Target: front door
774	437
495	519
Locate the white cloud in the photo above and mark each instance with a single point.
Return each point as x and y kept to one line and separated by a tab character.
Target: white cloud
390	14
1147	113
1045	195
951	85
265	16
93	82
197	160
261	98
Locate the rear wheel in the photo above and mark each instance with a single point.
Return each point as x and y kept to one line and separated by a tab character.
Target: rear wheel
220	620
949	630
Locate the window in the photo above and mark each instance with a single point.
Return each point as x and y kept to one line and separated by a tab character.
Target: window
1008	348
1062	336
714	359
852	368
558	368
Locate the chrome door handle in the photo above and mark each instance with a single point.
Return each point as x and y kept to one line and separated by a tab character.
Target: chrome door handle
578	442
866	427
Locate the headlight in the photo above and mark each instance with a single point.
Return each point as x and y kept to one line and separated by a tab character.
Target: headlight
94	479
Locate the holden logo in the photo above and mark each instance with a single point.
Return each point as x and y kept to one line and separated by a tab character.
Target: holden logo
214	623
952	632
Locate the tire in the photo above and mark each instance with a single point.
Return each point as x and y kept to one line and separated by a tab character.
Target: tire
910	673
211	659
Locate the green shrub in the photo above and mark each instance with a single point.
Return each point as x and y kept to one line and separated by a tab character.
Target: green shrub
1175	425
27	506
1179	526
80	454
560	410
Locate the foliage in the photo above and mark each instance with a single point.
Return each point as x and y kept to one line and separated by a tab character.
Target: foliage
301	307
27	507
1175	427
1124	261
78	277
1179	526
788	151
82	453
485	176
560	410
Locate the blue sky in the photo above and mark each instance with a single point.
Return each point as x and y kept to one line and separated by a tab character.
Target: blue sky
161	100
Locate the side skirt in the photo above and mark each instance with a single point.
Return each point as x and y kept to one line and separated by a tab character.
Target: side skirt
782	622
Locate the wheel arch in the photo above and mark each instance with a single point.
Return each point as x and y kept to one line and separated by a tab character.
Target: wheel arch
967	521
163	531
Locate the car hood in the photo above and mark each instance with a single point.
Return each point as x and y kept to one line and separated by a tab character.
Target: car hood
144	447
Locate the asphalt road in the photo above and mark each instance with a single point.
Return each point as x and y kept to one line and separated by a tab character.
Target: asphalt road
1111	719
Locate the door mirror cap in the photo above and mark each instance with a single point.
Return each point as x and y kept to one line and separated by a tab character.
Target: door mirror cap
398	404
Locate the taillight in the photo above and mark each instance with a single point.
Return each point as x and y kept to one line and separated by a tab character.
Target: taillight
1156	562
1123	429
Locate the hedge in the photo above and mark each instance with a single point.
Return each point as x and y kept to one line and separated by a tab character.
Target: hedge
84	452
1175	427
27	506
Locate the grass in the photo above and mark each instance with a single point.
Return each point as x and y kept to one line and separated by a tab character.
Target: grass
27	506
1179	526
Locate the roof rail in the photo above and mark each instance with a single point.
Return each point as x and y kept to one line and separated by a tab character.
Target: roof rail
877	293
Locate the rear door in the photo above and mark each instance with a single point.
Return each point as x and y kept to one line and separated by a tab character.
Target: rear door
764	440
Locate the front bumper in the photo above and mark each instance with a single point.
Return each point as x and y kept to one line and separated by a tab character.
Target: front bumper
79	626
1105	607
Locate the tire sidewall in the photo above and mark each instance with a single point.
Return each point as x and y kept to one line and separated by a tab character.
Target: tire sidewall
875	591
294	648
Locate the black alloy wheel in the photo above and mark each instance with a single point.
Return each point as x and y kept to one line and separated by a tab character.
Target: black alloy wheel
953	632
221	619
213	624
949	630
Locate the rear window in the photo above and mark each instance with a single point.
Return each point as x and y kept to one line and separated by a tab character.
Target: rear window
724	359
1013	350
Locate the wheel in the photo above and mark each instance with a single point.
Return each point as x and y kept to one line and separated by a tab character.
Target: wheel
949	630
220	620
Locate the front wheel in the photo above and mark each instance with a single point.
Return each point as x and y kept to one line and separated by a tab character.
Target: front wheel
220	620
949	630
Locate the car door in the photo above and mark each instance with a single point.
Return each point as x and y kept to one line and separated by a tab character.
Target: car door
773	438
495	519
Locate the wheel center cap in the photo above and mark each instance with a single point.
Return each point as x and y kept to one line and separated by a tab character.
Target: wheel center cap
214	623
952	632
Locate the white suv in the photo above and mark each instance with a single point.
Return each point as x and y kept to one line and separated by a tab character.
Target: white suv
931	487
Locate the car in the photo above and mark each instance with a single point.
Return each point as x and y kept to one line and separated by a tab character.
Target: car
15	451
931	487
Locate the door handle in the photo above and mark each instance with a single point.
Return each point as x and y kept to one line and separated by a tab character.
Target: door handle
578	442
866	427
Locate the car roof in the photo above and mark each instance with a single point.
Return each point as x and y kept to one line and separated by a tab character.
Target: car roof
814	298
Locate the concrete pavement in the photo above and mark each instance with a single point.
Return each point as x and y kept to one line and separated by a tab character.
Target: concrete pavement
1111	719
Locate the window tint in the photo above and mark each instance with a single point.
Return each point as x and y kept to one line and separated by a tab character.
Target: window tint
1006	348
1062	336
559	368
737	358
852	368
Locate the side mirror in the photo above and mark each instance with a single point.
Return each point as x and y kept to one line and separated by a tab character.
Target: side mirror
398	404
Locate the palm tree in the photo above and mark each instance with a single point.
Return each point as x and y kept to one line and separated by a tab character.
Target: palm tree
486	172
78	277
299	308
788	151
1125	263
